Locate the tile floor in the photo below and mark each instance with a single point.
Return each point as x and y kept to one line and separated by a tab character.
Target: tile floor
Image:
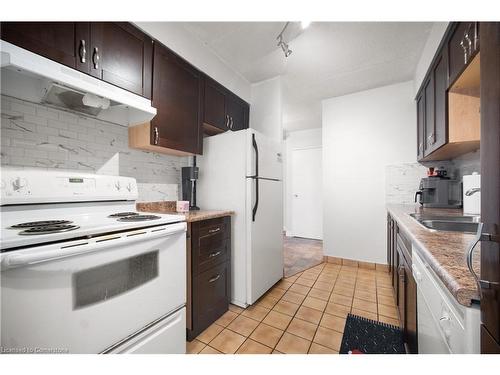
304	313
301	254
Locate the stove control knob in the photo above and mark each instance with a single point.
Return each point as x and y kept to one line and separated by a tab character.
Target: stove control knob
129	187
18	184
118	186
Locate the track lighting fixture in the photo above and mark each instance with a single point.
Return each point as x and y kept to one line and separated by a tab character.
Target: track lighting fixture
282	44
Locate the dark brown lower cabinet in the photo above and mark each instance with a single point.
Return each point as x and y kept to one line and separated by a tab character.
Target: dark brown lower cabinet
209	273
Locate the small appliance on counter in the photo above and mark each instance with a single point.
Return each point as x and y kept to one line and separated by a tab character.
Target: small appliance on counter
472	194
189	177
439	191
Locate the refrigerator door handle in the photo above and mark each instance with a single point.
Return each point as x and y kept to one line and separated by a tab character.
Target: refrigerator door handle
256	205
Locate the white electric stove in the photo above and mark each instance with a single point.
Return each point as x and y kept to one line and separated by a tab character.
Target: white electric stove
83	272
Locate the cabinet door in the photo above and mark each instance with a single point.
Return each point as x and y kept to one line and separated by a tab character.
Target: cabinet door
401	290
420	125
438	136
411	335
64	42
214	109
177	88
428	112
237	110
462	47
210	296
122	55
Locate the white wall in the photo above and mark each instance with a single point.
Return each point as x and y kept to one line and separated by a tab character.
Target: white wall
266	111
430	48
295	140
182	42
362	133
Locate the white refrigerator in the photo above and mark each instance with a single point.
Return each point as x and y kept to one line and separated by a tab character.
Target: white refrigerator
242	171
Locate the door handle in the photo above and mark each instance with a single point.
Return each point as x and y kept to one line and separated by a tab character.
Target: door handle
95	58
214	279
82	51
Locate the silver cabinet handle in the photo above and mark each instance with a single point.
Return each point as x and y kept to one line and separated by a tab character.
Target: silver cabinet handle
420	146
212	255
227	121
462	44
431	138
214	230
214	279
156	135
231	125
83	51
95	58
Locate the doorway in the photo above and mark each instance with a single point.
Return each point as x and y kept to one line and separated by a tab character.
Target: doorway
303	248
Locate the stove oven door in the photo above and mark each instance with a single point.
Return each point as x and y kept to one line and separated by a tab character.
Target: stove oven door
84	296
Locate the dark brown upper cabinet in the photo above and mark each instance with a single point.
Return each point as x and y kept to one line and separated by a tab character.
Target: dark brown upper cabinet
223	110
67	43
122	55
115	52
177	96
420	126
462	47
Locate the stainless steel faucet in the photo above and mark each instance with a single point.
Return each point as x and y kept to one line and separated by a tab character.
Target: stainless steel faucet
472	191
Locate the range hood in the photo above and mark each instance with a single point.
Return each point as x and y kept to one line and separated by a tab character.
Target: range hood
34	78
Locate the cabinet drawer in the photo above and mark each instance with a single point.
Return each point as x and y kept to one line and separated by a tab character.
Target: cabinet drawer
218	226
211	295
211	251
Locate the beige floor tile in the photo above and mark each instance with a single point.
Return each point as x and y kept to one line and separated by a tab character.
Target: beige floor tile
301	289
267	335
227	318
291	344
309	314
306	282
365	314
344	291
328	337
321	294
310	275
333	322
194	347
385	291
293	297
314	303
323	286
277	320
243	325
209	350
341	300
320	349
302	328
385	319
286	307
338	310
253	347
384	283
255	312
327	278
276	293
236	309
291	278
227	342
361	304
276	352
389	311
283	284
386	300
267	301
364	295
208	335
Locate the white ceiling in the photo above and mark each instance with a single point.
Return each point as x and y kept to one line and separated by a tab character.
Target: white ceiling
329	58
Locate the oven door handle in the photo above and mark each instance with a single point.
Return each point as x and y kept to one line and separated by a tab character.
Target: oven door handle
26	257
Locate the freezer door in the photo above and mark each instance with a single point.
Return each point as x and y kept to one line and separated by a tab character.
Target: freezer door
266	239
265	156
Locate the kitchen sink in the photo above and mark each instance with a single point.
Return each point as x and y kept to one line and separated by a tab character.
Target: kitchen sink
466	224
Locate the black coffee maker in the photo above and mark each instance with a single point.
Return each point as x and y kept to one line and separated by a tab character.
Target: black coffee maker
189	177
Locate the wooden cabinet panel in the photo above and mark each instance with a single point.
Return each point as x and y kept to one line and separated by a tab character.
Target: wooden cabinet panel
429	112
438	137
122	55
420	126
237	111
214	109
177	95
211	299
411	327
211	243
67	43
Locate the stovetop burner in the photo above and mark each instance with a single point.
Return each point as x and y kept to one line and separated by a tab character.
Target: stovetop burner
139	218
43	223
124	214
57	228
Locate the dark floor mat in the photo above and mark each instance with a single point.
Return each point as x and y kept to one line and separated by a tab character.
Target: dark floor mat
366	336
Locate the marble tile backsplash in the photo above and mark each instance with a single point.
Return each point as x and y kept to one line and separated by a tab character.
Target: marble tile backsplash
36	136
401	182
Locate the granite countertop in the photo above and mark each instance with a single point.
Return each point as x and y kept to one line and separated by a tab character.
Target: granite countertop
168	207
444	251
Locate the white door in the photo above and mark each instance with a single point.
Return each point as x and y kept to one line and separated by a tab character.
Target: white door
307	197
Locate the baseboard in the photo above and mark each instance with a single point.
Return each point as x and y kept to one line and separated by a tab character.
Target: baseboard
357	263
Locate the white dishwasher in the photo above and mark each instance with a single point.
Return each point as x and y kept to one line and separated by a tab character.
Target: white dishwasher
444	326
